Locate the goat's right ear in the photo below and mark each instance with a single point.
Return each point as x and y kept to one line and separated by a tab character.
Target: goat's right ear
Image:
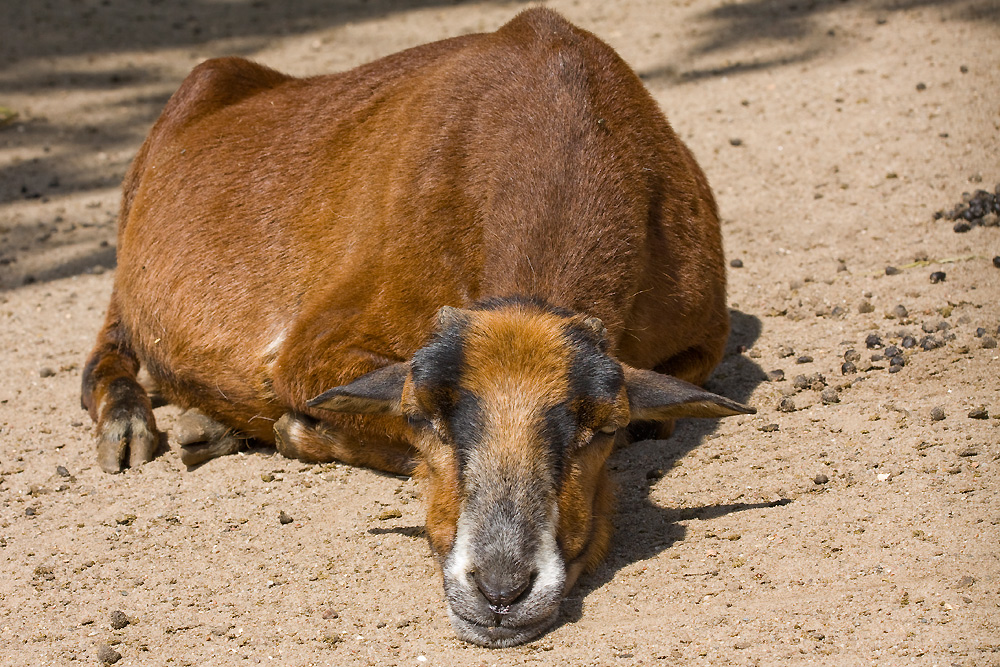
378	392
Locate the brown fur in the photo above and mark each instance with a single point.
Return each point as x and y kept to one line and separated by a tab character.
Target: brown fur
281	236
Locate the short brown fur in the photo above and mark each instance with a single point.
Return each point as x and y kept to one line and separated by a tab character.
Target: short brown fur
280	236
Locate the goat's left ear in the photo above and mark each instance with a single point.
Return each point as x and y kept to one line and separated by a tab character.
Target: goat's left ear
653	396
378	392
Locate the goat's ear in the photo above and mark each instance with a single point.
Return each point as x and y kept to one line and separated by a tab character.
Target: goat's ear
653	396
378	392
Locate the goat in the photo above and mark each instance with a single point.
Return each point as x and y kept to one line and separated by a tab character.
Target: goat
477	261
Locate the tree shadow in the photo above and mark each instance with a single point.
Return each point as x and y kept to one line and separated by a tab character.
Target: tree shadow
779	33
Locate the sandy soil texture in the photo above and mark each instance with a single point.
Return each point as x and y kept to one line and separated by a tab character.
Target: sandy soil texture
855	520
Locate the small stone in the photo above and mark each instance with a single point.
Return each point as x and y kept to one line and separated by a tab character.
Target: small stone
330	613
62	471
892	271
852	355
965	582
942	326
786	405
873	341
929	343
908	342
735	141
897	361
266	477
118	620
891	351
804	359
989	342
30	511
107	655
969	450
283	518
385	515
937	413
777	375
866	307
848	368
980	332
768	428
900	312
654	473
979	413
921	86
46	372
800	382
961	227
785	351
736	263
895	368
829	395
820	479
938	277
996	261
927	327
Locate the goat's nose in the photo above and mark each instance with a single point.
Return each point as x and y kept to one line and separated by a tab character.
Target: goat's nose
503	589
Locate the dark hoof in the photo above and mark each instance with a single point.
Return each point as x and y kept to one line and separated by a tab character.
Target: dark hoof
129	437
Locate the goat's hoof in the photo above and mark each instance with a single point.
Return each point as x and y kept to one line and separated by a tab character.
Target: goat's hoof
128	436
202	438
283	435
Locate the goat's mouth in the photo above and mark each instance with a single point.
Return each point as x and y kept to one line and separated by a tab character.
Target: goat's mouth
498	633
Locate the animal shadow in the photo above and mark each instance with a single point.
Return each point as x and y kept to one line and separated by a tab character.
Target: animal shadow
644	529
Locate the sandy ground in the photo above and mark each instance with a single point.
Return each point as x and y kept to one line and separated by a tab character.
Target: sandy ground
850	533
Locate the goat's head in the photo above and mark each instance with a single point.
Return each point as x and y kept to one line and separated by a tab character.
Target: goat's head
515	409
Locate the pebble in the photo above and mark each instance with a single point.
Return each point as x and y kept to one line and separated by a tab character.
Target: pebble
830	395
937	413
938	277
965	582
118	620
866	307
786	405
996	261
736	263
852	355
979	413
989	342
820	479
654	474
768	428
908	342
892	351
801	382
873	341
777	375
46	372
385	515
785	351
930	343
848	368
804	359
927	327
969	450
284	518
900	312
107	655
980	332
62	471
735	141
896	362
892	271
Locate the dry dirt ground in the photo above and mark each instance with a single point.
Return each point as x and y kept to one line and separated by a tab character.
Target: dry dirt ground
858	532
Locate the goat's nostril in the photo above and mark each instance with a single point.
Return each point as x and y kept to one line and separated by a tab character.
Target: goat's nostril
505	590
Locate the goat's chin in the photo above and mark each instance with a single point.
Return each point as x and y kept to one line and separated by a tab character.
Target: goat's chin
500	636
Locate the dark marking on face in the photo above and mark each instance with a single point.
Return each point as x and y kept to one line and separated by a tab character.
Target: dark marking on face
595	379
559	431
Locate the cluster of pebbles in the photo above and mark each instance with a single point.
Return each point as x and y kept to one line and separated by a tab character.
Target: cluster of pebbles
978	209
889	351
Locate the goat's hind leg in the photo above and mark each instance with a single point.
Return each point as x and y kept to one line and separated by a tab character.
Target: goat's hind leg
121	408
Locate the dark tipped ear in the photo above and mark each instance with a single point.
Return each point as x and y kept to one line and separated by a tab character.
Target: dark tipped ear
653	397
378	392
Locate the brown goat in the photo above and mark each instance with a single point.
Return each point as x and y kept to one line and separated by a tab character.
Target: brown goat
494	249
